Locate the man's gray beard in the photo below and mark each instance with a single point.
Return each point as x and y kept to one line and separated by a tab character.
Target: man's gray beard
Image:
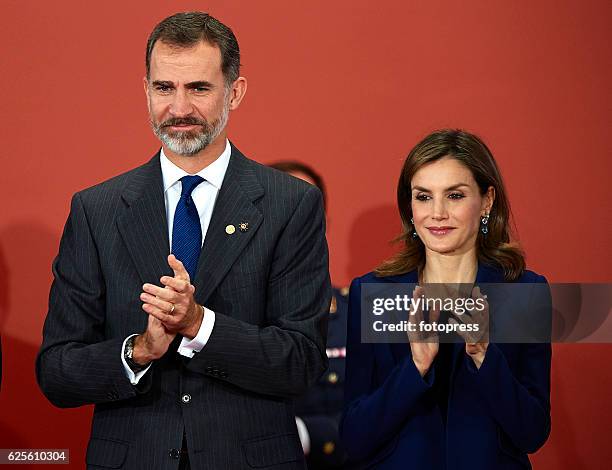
187	144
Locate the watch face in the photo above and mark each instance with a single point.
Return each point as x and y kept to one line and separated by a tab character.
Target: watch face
129	348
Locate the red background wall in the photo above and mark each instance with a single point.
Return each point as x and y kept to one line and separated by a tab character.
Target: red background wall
349	87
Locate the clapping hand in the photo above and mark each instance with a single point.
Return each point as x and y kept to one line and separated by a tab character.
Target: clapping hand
477	340
174	304
424	345
172	310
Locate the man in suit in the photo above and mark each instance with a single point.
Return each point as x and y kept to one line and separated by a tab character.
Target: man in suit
192	358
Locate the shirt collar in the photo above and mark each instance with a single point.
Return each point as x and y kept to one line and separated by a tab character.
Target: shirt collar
213	173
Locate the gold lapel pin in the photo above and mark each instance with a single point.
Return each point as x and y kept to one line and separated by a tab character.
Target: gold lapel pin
244	226
230	229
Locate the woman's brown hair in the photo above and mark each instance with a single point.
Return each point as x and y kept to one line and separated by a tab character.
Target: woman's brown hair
495	247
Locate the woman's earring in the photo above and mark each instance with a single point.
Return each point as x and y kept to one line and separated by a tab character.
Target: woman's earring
484	221
414	234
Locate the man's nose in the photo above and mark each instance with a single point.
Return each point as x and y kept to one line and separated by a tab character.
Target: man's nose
181	105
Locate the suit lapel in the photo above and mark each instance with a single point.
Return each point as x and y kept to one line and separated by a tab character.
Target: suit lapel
144	227
143	224
233	207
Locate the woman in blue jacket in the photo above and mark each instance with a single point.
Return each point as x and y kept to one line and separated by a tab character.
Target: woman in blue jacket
433	405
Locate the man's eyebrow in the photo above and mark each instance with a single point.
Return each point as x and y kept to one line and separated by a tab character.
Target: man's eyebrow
165	83
199	84
450	188
190	85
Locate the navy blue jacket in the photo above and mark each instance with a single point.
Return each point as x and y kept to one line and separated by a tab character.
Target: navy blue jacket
457	416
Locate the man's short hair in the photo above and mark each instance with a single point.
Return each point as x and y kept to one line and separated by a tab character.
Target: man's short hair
188	29
293	166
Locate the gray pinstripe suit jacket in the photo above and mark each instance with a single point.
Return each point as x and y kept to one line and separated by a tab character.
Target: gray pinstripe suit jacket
269	286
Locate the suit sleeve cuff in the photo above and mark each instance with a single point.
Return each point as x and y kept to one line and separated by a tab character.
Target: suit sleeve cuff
188	347
134	377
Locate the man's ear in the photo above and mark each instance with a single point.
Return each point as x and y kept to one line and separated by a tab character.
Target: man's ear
145	84
237	92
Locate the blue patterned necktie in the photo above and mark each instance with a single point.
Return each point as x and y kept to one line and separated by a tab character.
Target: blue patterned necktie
186	229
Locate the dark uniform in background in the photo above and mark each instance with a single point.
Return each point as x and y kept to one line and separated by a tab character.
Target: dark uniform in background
321	407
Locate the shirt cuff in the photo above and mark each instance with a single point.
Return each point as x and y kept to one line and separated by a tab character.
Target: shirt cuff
134	377
303	433
189	347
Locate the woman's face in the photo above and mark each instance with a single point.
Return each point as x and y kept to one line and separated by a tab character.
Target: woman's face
447	206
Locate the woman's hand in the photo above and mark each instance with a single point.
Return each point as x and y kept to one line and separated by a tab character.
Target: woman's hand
476	342
477	352
424	345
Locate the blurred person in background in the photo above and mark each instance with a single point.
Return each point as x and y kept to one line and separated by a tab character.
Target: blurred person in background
319	410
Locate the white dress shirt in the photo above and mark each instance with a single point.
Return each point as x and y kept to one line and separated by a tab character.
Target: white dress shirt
204	196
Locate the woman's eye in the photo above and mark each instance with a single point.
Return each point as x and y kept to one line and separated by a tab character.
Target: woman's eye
456	196
422	197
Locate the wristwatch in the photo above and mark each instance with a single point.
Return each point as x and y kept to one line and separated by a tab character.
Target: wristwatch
128	354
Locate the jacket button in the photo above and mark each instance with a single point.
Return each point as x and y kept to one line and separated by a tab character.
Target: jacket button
329	447
186	398
175	453
332	378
